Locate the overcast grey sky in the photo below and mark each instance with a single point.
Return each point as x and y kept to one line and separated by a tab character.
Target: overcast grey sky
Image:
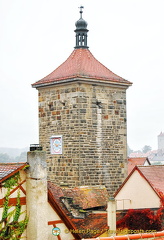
36	36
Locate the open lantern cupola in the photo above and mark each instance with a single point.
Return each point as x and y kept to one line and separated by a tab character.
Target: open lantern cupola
81	31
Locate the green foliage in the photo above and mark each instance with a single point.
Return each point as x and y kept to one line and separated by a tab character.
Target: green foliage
143	219
4	157
11	182
146	149
10	226
8	158
21	158
129	150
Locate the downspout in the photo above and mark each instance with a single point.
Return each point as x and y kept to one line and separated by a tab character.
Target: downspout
152	235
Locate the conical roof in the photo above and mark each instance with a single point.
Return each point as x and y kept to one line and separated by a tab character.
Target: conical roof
81	65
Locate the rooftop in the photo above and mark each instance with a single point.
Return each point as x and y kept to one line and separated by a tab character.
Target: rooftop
153	174
132	162
91	220
83	65
88	197
9	169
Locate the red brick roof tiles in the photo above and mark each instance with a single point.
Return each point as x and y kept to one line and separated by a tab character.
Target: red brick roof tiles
88	197
81	64
154	174
9	169
87	227
132	162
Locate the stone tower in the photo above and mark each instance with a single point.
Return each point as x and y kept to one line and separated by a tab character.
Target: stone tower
161	141
82	119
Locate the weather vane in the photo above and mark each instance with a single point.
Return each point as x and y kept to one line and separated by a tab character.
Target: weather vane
81	11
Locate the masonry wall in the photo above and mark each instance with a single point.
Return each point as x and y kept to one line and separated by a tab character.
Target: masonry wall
92	121
161	141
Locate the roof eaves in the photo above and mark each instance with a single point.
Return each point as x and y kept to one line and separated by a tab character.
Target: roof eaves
84	79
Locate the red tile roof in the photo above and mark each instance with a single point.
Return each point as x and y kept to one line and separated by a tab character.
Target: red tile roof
93	225
153	174
149	235
86	227
81	64
88	197
9	169
132	162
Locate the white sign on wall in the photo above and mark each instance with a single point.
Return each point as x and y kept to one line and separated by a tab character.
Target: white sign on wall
56	144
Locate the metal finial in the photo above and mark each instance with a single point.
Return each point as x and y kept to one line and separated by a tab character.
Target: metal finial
81	11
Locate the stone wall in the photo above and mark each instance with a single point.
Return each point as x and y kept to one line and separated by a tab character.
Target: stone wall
92	122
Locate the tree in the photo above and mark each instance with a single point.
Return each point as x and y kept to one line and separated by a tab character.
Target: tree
146	149
142	220
21	158
4	157
129	150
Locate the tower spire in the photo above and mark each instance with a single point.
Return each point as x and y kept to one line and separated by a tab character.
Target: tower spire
81	31
81	11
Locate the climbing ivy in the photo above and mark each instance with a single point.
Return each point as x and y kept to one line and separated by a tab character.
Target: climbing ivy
10	226
142	219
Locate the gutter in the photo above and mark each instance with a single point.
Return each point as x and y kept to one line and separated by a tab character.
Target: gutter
152	235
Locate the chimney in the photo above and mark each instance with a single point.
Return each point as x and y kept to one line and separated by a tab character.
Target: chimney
112	216
36	194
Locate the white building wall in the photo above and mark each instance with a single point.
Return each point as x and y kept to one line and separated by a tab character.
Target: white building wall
136	194
65	233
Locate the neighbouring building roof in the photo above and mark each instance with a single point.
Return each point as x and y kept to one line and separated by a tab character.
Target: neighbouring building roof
153	174
132	162
90	220
158	156
81	64
88	197
149	154
9	169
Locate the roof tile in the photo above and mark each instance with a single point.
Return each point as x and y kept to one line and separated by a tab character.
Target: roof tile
86	227
81	64
7	169
132	162
88	197
155	176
